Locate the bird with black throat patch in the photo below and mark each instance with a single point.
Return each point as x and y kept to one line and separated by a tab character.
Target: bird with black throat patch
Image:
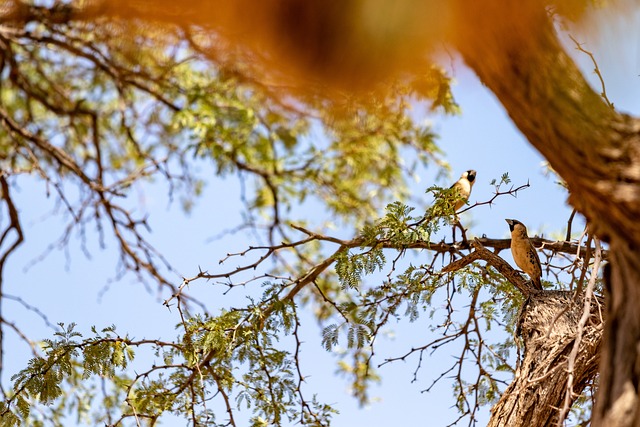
464	186
524	253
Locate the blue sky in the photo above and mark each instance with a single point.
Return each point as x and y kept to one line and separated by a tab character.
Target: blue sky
76	289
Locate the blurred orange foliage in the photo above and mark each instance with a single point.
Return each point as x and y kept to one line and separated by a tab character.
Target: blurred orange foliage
347	44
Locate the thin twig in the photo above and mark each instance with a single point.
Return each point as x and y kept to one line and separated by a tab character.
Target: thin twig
596	70
586	314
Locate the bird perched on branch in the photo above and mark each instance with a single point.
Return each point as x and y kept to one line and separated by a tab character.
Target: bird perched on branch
524	253
464	186
461	190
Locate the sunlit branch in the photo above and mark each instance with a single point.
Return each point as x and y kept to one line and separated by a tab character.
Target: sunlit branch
512	191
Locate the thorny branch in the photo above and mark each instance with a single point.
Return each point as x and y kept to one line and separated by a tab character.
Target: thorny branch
596	70
480	244
495	261
512	191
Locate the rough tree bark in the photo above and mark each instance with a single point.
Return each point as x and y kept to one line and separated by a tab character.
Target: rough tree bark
549	324
548	328
513	48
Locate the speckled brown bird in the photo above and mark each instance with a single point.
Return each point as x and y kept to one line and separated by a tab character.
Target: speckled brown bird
524	254
464	186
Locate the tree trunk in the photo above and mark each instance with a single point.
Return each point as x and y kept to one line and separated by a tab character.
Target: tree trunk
548	326
513	48
617	403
